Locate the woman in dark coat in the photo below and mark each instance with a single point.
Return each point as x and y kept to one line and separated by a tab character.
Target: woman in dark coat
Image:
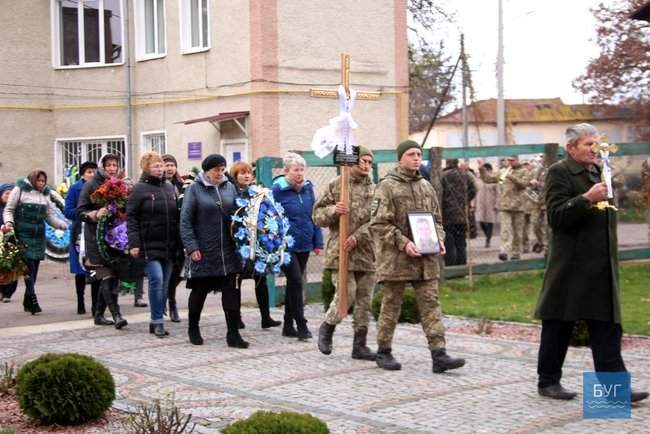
296	195
242	174
152	225
87	171
27	209
208	205
90	213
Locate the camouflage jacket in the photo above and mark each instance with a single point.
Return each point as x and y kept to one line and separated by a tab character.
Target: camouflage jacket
645	181
535	195
362	257
398	193
512	194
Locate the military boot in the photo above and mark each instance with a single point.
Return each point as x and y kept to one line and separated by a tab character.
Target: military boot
443	362
359	349
325	334
385	360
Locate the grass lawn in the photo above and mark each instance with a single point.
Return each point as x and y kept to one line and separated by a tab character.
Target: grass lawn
513	297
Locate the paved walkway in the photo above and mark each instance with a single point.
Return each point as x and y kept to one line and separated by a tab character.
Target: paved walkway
494	393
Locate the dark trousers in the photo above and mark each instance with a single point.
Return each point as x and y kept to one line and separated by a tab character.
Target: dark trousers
487	230
261	293
294	308
604	340
30	277
456	244
174	281
230	299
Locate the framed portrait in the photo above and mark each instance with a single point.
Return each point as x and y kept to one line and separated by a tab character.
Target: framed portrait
423	232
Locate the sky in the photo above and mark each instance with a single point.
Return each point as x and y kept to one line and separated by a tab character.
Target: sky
547	44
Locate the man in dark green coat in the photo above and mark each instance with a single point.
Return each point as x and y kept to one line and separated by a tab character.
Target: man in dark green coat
581	278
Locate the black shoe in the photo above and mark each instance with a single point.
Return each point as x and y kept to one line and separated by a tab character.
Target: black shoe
289	331
159	330
636	396
35	308
81	308
270	322
26	304
325	334
359	349
443	362
152	330
385	360
119	321
234	340
503	257
195	336
556	391
173	314
101	321
140	303
303	332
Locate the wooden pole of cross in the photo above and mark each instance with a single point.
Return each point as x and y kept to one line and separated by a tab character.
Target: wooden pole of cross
344	220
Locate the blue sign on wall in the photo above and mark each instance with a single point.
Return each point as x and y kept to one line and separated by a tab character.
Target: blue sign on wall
194	150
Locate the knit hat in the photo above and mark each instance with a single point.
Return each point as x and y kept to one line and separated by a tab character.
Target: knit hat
6	186
365	151
85	166
405	146
169	158
213	160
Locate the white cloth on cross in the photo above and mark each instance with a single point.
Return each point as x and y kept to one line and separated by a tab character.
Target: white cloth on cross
338	134
607	171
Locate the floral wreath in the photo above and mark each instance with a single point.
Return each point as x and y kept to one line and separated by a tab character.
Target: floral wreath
261	230
12	257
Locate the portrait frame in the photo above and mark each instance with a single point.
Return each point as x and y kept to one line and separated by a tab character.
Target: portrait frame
423	232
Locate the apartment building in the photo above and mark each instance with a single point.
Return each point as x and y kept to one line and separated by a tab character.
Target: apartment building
191	77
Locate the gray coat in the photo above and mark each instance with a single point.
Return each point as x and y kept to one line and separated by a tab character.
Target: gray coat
205	226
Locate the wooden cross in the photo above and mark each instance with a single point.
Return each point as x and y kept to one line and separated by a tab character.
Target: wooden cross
344	220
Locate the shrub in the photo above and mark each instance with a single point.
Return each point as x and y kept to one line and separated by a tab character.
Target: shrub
278	423
579	335
159	417
8	430
409	313
64	389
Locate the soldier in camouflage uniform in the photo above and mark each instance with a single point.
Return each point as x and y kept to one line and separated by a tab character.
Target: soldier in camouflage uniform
538	231
361	258
510	205
399	262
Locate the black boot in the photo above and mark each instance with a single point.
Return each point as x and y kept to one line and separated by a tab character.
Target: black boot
101	321
27	304
110	296
233	338
288	330
119	321
443	362
325	334
94	291
385	360
81	306
34	308
100	308
262	296
303	332
194	334
154	331
173	310
359	349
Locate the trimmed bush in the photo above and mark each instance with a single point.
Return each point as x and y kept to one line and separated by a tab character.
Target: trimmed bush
64	389
278	423
580	335
410	312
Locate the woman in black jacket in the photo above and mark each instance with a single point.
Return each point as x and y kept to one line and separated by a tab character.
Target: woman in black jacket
208	205
90	213
152	225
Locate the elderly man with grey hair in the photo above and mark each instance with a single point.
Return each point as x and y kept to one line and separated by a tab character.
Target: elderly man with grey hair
581	277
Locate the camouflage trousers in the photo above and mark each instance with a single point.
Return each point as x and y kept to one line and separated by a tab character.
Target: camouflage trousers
512	230
538	229
360	288
426	294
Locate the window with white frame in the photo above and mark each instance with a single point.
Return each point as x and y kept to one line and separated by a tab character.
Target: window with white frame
195	25
150	28
87	32
73	152
154	141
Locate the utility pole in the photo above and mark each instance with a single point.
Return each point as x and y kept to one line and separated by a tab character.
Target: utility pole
464	75
501	115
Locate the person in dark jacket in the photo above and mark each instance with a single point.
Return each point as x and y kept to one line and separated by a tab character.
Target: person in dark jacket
28	207
296	195
208	205
458	190
171	174
242	173
581	278
6	291
152	225
89	213
87	171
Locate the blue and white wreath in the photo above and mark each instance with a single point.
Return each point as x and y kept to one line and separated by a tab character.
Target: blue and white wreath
261	230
